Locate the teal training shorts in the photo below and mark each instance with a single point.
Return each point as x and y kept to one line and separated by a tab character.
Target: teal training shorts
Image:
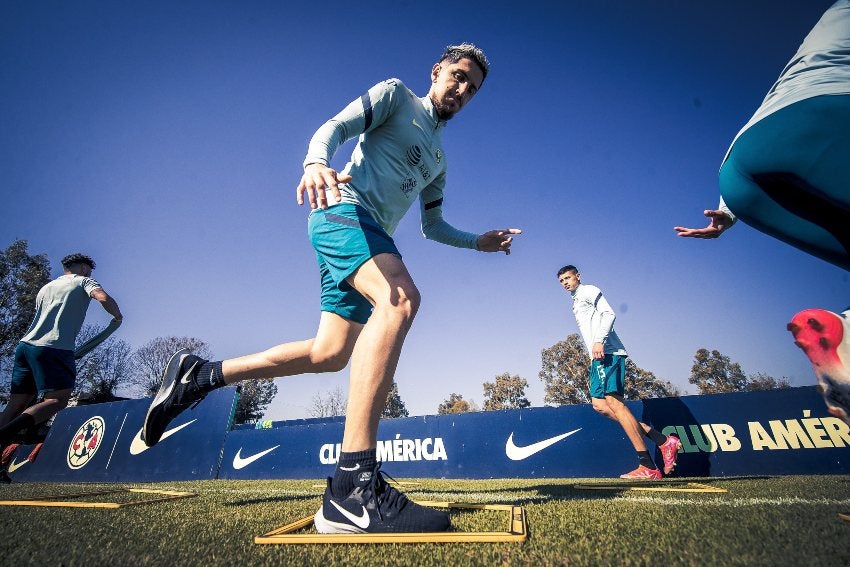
345	236
42	369
788	176
607	376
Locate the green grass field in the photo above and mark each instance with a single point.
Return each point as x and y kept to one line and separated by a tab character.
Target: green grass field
759	521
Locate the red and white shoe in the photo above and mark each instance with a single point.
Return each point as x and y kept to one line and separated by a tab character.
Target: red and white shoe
643	473
825	338
669	452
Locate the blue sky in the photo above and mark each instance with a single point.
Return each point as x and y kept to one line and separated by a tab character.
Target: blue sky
166	139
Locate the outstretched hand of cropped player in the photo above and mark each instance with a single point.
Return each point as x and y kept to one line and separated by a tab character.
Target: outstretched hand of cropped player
498	240
316	179
718	222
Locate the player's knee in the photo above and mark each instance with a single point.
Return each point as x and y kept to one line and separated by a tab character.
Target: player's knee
401	306
325	360
602	408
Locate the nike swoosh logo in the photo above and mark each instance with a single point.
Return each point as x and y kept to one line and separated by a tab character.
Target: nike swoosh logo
515	453
13	466
138	446
240	463
417	124
361	521
187	377
350	469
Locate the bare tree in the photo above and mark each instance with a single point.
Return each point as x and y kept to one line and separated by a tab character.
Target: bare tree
506	392
329	405
149	360
762	381
564	372
102	371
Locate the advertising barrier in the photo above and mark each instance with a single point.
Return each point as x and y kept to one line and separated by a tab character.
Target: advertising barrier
776	432
773	432
102	443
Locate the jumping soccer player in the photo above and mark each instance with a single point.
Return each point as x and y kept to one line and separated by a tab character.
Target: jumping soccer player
44	359
787	174
595	320
368	298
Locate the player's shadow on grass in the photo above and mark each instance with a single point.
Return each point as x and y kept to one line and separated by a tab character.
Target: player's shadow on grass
283	498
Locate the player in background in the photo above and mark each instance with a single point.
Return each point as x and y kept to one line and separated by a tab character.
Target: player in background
44	361
368	298
595	320
787	173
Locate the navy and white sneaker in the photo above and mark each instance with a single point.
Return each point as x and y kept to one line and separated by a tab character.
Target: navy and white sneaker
178	391
376	507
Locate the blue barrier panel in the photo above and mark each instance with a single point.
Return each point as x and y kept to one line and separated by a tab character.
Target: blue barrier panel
754	433
18	461
101	443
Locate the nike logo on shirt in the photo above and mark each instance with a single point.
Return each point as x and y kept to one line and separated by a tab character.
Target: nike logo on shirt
515	453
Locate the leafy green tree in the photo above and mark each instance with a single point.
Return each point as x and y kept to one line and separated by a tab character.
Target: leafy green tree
506	392
454	404
642	384
564	372
254	398
714	373
102	371
149	360
395	406
762	381
21	276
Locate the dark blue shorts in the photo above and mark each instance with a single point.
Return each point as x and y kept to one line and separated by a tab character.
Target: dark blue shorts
344	237
42	369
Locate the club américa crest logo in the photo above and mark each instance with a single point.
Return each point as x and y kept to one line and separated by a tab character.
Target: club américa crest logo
86	442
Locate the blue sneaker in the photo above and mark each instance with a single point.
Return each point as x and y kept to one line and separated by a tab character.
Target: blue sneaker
376	507
178	391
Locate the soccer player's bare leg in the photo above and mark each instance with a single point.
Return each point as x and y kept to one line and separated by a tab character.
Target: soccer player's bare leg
329	351
386	283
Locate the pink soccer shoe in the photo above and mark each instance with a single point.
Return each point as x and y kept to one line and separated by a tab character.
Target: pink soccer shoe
825	338
643	473
669	452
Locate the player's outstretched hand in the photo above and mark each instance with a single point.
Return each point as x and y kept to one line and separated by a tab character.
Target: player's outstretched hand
316	179
718	222
498	240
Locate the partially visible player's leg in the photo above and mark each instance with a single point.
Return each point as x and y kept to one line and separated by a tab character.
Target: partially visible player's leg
825	338
386	283
607	385
789	177
188	378
358	498
668	445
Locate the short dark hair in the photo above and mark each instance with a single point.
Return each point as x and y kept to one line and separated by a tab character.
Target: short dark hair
567	268
77	258
455	53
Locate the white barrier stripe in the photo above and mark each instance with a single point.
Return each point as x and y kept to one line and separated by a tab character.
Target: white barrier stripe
117	437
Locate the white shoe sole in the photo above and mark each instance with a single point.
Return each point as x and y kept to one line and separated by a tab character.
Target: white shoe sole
169	377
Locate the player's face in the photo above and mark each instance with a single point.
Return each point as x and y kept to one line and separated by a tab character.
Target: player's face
570	280
453	85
